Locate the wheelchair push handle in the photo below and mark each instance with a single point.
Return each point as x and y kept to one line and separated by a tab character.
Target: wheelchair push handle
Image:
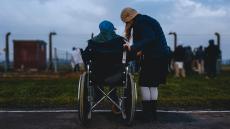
126	48
124	57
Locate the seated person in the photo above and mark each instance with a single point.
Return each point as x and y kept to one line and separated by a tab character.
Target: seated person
107	60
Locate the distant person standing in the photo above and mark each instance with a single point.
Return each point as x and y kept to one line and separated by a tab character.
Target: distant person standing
199	55
188	59
211	55
76	59
148	42
178	59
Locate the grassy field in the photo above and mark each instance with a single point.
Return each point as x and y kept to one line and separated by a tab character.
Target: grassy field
196	92
193	92
38	93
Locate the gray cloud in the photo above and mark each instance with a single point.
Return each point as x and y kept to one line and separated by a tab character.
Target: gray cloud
74	20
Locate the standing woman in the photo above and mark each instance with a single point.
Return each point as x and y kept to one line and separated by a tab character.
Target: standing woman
149	42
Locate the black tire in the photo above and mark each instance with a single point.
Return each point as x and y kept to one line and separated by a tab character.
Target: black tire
83	100
130	101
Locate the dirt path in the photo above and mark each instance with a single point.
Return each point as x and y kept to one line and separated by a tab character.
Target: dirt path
108	121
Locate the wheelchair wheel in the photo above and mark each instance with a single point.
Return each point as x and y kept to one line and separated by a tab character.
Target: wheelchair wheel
130	101
83	99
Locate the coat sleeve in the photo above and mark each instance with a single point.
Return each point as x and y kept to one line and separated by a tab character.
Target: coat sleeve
147	35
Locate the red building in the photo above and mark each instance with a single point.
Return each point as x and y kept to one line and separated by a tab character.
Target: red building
29	55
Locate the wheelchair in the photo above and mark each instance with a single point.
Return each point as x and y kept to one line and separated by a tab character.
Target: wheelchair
102	60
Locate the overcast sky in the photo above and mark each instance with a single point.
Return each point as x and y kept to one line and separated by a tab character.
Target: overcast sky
195	21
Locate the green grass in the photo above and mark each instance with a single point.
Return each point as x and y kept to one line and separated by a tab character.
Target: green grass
193	92
196	92
38	93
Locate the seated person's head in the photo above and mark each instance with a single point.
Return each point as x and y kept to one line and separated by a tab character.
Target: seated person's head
107	32
106	26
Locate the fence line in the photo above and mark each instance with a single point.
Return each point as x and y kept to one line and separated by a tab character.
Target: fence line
65	41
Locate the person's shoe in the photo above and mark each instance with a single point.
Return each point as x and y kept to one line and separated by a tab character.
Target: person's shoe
153	110
146	114
115	110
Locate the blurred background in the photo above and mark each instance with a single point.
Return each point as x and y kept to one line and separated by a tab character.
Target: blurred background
194	22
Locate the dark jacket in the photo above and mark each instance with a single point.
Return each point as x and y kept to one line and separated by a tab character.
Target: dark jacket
199	55
212	53
106	59
113	47
179	54
149	38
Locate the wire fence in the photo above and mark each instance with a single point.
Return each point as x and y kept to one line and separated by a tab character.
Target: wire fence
62	59
226	62
63	43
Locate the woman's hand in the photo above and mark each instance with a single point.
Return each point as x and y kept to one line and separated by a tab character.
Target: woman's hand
139	53
127	46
